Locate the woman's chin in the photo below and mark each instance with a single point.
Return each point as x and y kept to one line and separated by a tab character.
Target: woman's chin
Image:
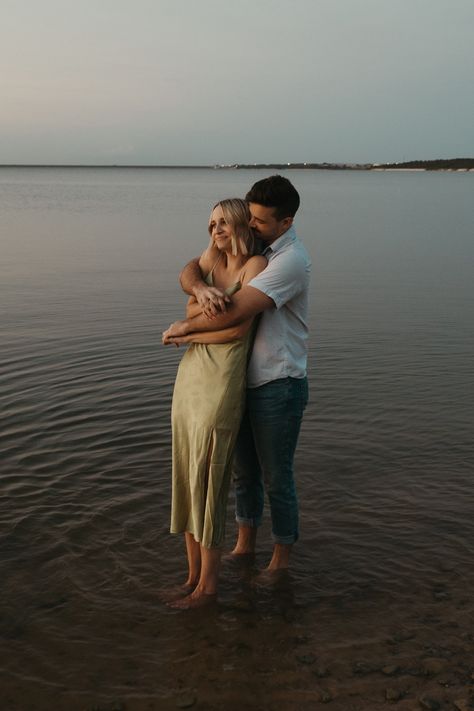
223	247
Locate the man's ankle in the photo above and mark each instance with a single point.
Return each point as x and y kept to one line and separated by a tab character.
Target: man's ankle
246	540
281	556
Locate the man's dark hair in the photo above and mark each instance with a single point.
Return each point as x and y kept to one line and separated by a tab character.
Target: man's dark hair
276	192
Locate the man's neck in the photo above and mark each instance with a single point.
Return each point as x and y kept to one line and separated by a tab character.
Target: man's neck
268	243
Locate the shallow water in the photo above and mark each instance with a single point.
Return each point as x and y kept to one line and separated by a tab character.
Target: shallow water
384	463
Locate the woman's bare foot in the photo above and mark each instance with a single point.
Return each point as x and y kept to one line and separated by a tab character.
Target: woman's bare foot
197	598
235	557
176	592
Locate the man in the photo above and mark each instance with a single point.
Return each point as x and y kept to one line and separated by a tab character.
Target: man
277	389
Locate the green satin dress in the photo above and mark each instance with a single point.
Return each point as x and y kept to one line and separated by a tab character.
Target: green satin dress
208	402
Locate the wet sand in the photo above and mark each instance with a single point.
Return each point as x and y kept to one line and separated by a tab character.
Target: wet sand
260	648
344	654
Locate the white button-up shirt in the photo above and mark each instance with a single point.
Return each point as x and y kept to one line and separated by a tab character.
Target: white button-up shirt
280	347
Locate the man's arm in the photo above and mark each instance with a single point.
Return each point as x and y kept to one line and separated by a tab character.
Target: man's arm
211	299
226	335
246	303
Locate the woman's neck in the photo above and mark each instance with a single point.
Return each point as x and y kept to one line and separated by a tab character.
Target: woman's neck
233	262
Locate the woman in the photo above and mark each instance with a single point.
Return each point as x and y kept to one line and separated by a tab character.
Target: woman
208	404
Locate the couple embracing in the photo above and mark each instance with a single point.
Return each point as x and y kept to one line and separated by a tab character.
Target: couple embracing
241	386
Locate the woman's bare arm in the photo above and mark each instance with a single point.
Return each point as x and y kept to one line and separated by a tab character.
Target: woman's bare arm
211	298
246	305
253	267
193	308
225	335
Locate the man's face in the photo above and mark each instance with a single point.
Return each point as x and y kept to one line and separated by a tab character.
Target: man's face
264	223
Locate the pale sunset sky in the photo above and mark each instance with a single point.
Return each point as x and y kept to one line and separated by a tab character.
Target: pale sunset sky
190	82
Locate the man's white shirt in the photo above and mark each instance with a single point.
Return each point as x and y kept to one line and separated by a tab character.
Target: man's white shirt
280	347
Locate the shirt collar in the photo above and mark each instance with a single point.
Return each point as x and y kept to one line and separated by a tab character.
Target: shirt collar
282	241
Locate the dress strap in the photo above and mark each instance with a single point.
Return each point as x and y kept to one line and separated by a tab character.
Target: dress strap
209	276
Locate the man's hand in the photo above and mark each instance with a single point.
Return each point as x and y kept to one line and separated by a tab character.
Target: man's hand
177	330
211	299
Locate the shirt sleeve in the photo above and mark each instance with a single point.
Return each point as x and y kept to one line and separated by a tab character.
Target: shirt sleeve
285	276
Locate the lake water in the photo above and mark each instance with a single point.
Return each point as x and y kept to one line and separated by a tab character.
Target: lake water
88	280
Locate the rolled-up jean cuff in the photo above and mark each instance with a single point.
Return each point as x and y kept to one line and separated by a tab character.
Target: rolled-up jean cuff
285	540
253	522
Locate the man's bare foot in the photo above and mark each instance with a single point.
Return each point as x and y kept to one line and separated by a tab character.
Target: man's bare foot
175	592
270	578
194	600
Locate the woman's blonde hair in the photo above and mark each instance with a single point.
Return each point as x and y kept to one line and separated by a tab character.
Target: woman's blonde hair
237	215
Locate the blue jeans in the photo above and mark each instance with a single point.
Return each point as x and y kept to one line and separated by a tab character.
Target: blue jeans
264	456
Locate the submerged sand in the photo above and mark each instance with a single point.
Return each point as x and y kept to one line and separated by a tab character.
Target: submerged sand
270	648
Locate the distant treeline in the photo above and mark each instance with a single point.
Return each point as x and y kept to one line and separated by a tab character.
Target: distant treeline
300	166
440	164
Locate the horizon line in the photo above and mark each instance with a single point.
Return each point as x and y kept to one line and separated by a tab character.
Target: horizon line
278	164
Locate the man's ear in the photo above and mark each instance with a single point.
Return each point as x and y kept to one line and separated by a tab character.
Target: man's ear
287	222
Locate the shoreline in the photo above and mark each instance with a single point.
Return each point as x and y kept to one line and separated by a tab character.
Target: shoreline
210	167
452	165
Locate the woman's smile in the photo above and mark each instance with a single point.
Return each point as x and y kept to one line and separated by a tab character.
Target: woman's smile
221	232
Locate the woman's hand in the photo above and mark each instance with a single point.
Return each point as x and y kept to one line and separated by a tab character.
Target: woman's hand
211	300
177	330
178	340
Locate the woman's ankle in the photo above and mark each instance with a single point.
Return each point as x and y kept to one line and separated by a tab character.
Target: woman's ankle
191	581
205	589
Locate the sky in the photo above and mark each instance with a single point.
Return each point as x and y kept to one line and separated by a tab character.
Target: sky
190	82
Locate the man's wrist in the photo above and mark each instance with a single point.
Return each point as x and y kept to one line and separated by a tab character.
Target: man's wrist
195	289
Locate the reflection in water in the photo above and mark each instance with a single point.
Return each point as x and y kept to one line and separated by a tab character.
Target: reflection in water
383	570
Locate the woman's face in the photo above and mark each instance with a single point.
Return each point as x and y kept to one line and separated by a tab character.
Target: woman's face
221	233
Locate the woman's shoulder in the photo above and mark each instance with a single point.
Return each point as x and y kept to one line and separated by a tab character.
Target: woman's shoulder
253	266
257	262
